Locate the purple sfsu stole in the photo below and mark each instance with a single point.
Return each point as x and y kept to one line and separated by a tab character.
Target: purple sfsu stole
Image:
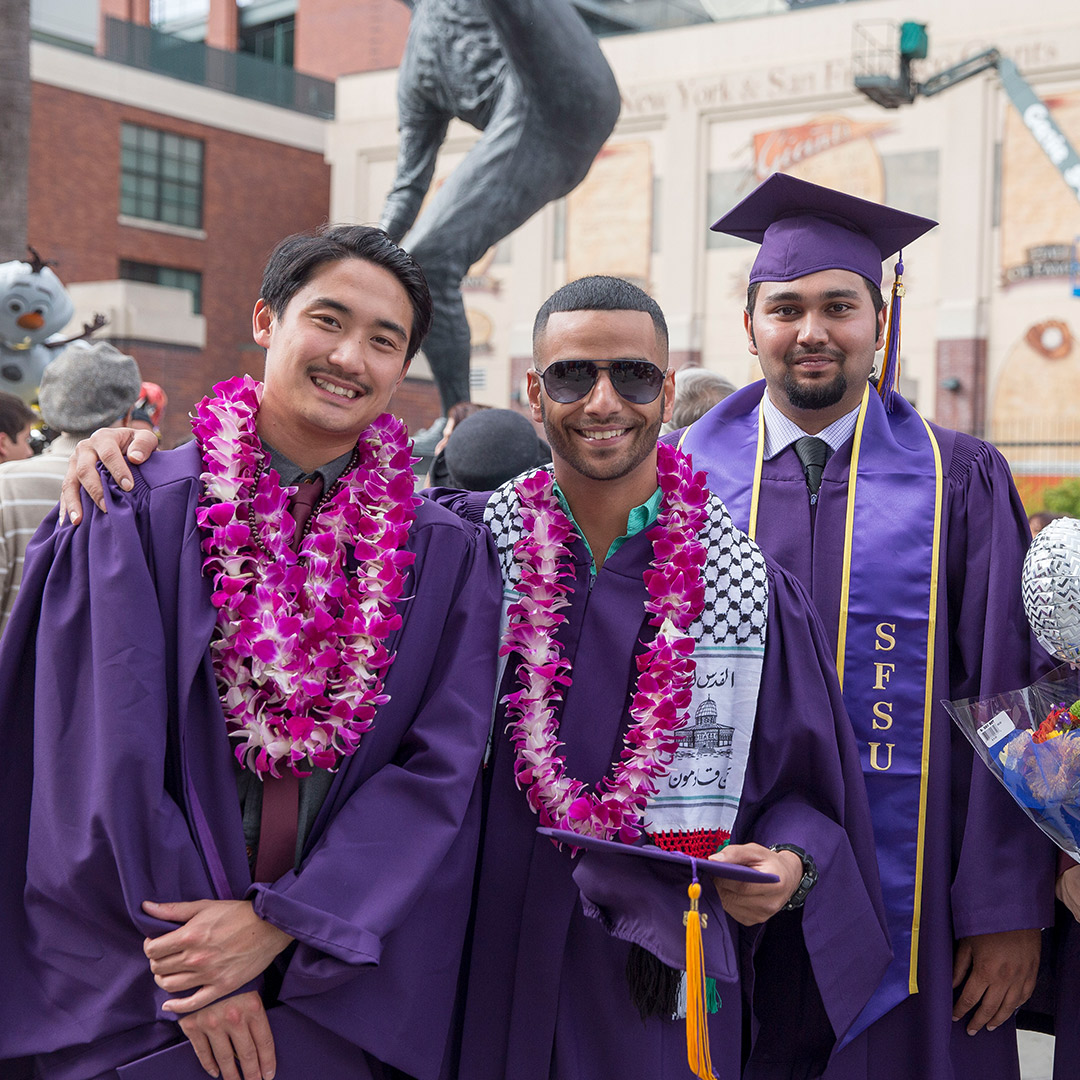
885	648
281	794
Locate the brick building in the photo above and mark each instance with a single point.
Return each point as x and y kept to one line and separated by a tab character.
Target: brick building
159	200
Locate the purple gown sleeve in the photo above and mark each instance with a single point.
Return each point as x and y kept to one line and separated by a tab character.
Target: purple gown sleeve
92	832
1003	877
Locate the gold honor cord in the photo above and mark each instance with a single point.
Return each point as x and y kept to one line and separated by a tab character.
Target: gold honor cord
849	531
931	634
759	461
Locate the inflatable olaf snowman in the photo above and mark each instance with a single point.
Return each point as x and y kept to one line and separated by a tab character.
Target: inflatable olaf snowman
34	306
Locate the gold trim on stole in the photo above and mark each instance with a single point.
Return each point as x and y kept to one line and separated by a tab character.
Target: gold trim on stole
841	642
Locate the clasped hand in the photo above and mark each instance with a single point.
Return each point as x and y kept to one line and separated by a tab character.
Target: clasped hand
221	946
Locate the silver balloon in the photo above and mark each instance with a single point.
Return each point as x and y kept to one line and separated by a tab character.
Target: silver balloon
1051	588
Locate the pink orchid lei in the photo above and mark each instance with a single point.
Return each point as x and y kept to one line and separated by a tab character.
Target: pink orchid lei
661	699
300	654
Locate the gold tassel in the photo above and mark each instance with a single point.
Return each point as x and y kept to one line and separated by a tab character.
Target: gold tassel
697	1030
888	384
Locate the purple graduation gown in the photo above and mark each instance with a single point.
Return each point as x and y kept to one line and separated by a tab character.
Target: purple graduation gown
987	868
547	993
1065	1002
117	785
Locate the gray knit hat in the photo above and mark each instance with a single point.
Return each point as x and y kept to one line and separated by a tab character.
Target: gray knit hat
89	385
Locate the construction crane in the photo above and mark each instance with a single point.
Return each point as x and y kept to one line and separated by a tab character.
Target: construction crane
883	74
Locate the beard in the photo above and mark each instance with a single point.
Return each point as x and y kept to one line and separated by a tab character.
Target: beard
612	468
814	395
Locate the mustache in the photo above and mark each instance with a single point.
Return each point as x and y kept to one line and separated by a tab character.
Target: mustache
335	378
828	352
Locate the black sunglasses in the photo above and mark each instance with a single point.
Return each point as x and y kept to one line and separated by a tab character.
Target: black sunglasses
638	381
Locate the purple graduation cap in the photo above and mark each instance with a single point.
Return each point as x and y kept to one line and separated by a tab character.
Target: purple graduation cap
804	228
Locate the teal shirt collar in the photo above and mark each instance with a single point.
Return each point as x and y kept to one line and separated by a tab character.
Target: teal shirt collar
640	518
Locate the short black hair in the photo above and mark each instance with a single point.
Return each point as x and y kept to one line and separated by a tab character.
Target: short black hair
15	414
875	296
296	260
600	293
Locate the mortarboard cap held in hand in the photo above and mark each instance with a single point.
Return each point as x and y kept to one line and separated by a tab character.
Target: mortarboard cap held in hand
633	888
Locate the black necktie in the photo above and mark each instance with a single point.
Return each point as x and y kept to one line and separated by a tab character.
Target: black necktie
813	453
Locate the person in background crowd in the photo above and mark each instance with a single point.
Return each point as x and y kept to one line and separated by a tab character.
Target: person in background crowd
16	420
436	474
490	447
697	390
90	385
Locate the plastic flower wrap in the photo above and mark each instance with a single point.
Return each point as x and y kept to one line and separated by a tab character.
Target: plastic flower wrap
1030	740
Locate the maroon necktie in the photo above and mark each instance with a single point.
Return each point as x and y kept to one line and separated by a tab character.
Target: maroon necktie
281	795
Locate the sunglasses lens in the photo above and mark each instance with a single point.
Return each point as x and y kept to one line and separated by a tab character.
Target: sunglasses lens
638	381
569	380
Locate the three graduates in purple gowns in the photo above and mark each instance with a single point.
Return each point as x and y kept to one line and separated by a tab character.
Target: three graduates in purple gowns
908	549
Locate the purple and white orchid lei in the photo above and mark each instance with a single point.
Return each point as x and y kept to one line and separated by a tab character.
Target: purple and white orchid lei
661	699
300	653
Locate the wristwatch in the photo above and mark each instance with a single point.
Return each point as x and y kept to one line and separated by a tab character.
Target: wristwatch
809	876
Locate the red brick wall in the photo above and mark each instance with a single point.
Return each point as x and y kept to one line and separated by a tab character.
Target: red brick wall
222	25
963	408
417	403
341	37
254	193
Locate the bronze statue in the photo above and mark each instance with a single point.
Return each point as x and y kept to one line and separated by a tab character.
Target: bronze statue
531	77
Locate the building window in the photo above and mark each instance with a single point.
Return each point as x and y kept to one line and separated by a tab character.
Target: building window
273	41
161	176
165	275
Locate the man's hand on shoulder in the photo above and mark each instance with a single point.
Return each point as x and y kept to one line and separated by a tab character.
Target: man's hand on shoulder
107	445
231	1032
222	945
998	972
750	903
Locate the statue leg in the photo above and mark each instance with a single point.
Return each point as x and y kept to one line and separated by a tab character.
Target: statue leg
513	171
447	346
560	66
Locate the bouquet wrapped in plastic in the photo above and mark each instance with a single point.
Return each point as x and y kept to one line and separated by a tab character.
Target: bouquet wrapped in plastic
1030	740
